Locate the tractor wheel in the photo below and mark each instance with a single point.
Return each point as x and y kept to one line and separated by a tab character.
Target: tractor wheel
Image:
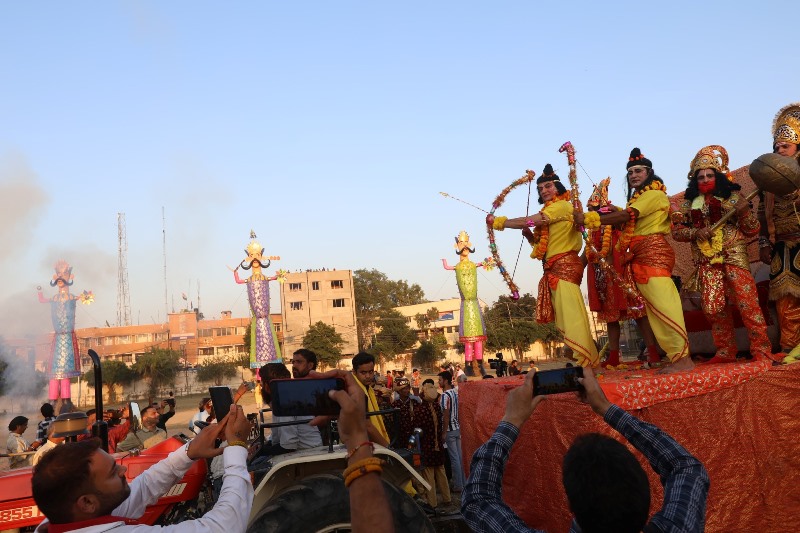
322	504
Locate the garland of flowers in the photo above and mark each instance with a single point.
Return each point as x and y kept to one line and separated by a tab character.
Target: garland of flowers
592	254
541	235
713	248
630	226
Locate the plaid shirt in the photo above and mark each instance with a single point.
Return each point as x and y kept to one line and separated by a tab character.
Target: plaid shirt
41	429
683	477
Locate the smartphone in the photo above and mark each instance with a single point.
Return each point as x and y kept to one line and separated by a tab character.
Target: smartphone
221	399
557	381
304	397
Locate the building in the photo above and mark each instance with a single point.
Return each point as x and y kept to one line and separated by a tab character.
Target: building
318	296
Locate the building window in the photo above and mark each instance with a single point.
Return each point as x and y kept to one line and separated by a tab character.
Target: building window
107	341
206	351
315	285
205	332
127	358
223	332
276	327
296	306
144	337
295	286
337	284
241	348
240	330
124	339
160	337
338	302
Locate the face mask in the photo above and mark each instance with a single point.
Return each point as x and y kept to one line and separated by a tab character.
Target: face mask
707	186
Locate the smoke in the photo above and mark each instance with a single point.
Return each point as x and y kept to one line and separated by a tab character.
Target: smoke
22	202
22	386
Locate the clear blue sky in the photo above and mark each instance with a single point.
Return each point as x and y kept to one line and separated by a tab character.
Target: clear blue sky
329	128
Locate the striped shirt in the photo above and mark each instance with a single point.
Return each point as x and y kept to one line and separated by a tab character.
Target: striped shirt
449	400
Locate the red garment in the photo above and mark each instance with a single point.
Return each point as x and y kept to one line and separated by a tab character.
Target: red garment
606	296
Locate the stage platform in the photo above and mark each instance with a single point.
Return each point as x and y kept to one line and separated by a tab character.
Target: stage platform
742	420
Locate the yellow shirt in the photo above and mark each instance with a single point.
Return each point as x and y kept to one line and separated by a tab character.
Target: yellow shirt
653	209
563	237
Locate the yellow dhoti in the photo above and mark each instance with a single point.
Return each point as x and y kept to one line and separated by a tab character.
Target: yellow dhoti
573	322
665	313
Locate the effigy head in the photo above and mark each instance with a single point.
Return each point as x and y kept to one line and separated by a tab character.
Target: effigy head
255	254
599	196
462	243
63	274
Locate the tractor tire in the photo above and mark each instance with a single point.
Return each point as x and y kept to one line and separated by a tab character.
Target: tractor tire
322	503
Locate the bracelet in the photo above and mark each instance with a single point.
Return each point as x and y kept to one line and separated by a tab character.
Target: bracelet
241	443
499	223
352	452
591	220
364	470
369	461
632	213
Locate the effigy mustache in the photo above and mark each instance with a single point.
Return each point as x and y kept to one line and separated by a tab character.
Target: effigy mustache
471	250
249	265
55	282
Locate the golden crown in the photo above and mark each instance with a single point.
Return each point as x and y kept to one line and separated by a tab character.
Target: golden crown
786	126
713	156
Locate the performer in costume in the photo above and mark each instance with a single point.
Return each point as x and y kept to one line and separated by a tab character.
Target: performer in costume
557	243
606	296
264	346
471	329
780	236
64	362
651	258
723	267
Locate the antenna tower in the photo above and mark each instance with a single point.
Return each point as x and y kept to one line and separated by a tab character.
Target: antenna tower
123	294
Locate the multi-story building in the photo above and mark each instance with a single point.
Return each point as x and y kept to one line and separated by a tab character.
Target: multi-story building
319	296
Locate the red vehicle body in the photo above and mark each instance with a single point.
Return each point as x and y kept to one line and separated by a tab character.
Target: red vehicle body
18	510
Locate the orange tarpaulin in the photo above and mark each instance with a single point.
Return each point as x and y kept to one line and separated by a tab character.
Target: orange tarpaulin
746	431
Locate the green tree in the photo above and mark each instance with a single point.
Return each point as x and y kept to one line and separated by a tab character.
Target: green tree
114	373
374	293
218	369
324	341
393	335
426	355
510	325
158	366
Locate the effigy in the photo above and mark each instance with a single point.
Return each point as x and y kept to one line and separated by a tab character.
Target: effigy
264	347
64	362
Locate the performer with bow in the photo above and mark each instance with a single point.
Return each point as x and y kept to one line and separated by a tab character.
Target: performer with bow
557	244
471	329
646	220
606	297
64	363
264	346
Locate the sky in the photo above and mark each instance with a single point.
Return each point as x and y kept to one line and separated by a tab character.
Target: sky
330	128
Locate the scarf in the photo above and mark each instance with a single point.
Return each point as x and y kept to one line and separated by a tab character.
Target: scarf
372	405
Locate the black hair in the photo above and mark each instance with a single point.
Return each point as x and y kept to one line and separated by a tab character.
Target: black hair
308	355
47	410
447	376
16	422
362	358
722	186
599	472
559	188
69	461
429	380
269	372
651	177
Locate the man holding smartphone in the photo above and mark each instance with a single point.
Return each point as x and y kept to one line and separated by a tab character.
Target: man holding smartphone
594	465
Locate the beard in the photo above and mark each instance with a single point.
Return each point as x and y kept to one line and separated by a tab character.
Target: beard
109	502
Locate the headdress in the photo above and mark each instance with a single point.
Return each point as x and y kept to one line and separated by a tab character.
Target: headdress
400	383
786	126
63	272
548	175
637	159
599	197
713	156
462	241
254	248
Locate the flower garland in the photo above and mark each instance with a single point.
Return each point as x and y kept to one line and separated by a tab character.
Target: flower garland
630	226
712	249
541	235
594	256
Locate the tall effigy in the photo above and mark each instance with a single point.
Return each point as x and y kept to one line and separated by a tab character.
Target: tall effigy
471	328
264	346
64	362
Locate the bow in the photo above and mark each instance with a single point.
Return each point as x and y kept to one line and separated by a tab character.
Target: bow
573	175
527	178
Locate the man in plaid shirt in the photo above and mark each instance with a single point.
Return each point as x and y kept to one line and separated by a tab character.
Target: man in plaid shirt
594	488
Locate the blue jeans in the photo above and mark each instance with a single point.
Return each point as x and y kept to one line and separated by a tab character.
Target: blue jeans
454	451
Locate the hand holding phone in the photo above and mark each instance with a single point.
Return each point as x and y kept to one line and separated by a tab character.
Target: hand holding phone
557	381
304	397
221	399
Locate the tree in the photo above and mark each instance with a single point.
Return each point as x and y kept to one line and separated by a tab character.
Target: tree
426	355
510	325
324	341
114	373
218	369
375	292
158	366
393	335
